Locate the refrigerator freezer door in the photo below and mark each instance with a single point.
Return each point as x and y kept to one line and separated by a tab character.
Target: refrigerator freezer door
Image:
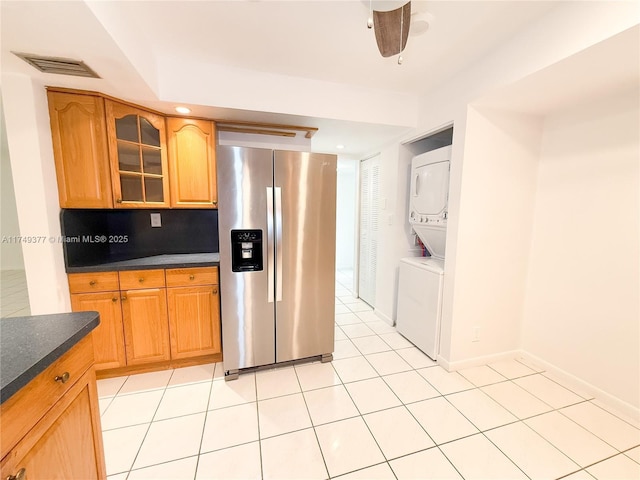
305	212
245	176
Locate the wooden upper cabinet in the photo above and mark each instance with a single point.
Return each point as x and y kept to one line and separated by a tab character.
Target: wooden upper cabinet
138	155
80	150
192	163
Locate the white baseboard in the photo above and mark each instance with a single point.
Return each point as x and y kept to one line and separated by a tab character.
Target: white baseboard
607	400
476	361
383	317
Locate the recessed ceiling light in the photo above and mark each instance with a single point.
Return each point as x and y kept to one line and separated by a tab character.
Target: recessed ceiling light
339	147
183	110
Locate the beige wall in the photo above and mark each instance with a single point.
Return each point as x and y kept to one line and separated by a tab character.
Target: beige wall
582	304
495	219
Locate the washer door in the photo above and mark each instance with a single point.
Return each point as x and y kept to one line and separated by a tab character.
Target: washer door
430	188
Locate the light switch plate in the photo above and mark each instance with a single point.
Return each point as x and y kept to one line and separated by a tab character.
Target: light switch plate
156	221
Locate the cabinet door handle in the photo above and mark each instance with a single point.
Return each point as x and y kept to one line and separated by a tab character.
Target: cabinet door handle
123	298
21	475
92	283
215	291
192	277
214	202
64	378
118	200
114	299
141	280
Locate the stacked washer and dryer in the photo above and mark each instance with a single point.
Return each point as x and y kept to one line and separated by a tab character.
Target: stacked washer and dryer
421	278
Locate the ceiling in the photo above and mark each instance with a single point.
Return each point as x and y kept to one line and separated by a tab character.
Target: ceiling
312	63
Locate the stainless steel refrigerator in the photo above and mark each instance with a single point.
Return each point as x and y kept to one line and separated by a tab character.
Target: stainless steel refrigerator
276	222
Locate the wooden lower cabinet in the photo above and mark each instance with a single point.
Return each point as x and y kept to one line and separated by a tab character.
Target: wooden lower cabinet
108	337
146	327
65	443
194	321
145	323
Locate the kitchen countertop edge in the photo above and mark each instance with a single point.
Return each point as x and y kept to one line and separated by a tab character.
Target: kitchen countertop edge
153	262
25	368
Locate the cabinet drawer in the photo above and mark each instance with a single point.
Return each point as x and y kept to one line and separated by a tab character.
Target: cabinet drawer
40	394
93	282
136	279
185	277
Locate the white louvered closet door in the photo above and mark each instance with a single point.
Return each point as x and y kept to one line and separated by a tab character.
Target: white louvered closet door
369	173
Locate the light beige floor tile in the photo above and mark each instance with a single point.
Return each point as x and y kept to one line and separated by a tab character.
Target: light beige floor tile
354	369
235	463
276	382
119	476
397	432
442	421
395	340
415	357
548	391
316	375
109	387
601	423
410	386
532	453
477	457
171	439
348	445
581	475
634	454
633	421
445	382
341	309
370	344
357	330
482	375
577	389
346	299
293	456
132	409
359	307
516	399
329	404
184	400
282	415
480	409
427	464
345	349
347	319
228	427
121	447
236	392
339	335
379	326
387	363
619	467
183	469
511	368
103	404
218	373
194	374
577	443
381	471
143	382
372	395
370	317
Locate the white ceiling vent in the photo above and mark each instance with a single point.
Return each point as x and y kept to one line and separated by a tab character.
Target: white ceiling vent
61	66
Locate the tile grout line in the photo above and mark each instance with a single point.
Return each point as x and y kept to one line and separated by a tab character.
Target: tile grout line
204	423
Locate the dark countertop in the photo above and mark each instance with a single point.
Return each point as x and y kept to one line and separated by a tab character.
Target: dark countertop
28	345
183	260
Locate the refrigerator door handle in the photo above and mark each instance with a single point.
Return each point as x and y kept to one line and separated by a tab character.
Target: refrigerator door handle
270	250
278	237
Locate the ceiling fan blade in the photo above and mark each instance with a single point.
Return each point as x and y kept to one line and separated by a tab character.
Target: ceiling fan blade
388	26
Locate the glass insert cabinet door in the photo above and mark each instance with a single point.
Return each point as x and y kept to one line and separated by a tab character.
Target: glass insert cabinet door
137	147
